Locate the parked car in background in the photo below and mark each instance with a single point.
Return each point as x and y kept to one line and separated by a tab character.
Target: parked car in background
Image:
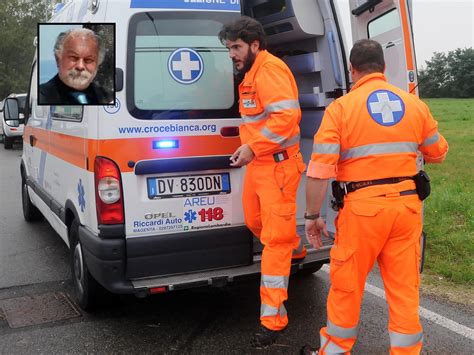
12	130
1	125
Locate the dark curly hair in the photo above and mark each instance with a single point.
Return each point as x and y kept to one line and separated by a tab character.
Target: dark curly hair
245	28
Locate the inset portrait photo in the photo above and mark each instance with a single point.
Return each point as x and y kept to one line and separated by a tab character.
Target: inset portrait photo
76	63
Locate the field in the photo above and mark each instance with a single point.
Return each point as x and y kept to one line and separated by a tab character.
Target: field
449	211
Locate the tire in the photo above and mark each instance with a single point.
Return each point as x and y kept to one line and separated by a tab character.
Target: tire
310	270
30	212
87	291
7	142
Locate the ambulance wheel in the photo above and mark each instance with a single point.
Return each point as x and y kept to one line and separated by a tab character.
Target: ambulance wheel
30	212
86	289
310	270
7	142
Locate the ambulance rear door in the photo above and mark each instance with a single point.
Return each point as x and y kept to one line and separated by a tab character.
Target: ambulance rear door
389	23
177	127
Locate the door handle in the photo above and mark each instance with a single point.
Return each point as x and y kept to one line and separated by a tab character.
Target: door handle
33	140
389	44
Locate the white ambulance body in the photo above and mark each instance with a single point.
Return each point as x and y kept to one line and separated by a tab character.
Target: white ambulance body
141	191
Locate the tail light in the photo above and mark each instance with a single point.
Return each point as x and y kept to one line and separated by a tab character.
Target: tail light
108	192
230	131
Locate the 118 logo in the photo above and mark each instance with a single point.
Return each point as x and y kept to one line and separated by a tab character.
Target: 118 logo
211	214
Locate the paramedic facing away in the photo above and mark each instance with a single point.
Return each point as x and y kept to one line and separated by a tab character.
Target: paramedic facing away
270	148
368	142
78	53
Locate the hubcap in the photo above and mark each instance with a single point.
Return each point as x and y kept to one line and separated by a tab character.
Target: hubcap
24	194
79	268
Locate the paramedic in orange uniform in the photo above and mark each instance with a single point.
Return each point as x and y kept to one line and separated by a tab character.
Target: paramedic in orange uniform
368	141
270	150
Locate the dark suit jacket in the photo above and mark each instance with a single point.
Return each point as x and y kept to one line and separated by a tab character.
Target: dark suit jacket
55	92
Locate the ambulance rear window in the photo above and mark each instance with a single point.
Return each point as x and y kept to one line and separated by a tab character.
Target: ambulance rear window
21	103
177	68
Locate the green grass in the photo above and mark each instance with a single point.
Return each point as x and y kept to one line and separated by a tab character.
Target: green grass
449	211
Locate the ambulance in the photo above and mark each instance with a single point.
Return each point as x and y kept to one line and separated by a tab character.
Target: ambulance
141	191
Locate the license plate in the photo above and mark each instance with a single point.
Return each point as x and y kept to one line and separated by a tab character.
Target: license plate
192	185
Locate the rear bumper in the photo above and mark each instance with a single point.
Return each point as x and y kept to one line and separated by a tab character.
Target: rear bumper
219	278
178	253
110	262
106	261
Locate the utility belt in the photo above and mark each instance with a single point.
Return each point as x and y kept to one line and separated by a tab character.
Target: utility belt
283	155
341	189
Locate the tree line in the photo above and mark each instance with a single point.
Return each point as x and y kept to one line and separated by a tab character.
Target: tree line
448	75
18	23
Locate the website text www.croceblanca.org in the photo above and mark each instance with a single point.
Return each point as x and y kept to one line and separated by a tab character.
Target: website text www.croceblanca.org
169	128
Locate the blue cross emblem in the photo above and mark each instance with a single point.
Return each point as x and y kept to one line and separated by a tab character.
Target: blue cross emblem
81	195
185	65
190	216
385	107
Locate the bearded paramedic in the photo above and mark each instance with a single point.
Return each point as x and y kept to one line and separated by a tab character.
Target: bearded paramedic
270	151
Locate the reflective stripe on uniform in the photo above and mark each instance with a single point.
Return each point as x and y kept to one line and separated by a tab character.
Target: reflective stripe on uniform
292	141
275	138
379	148
340	332
326	148
399	340
330	348
273	107
255	118
282	141
430	140
274	281
269	311
282	105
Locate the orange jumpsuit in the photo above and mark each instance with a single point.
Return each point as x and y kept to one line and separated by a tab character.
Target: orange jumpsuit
271	114
374	132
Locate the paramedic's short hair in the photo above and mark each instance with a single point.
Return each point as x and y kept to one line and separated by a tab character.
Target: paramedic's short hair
367	56
245	28
73	32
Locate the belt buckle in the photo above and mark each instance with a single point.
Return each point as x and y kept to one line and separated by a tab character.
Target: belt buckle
280	156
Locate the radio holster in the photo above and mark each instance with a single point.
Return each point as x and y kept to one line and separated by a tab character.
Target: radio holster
338	194
422	182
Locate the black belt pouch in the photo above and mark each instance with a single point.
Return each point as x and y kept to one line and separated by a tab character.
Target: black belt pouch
422	182
338	195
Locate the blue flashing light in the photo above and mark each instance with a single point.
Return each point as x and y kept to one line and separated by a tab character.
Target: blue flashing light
164	144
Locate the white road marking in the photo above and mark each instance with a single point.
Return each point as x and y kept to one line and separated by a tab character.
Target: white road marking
424	313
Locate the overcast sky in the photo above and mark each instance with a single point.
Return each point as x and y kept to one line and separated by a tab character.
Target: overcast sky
438	25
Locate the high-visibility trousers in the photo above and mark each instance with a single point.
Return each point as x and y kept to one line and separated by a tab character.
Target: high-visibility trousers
269	201
387	229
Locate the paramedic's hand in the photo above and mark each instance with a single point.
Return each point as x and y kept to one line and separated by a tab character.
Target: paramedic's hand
313	230
242	156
